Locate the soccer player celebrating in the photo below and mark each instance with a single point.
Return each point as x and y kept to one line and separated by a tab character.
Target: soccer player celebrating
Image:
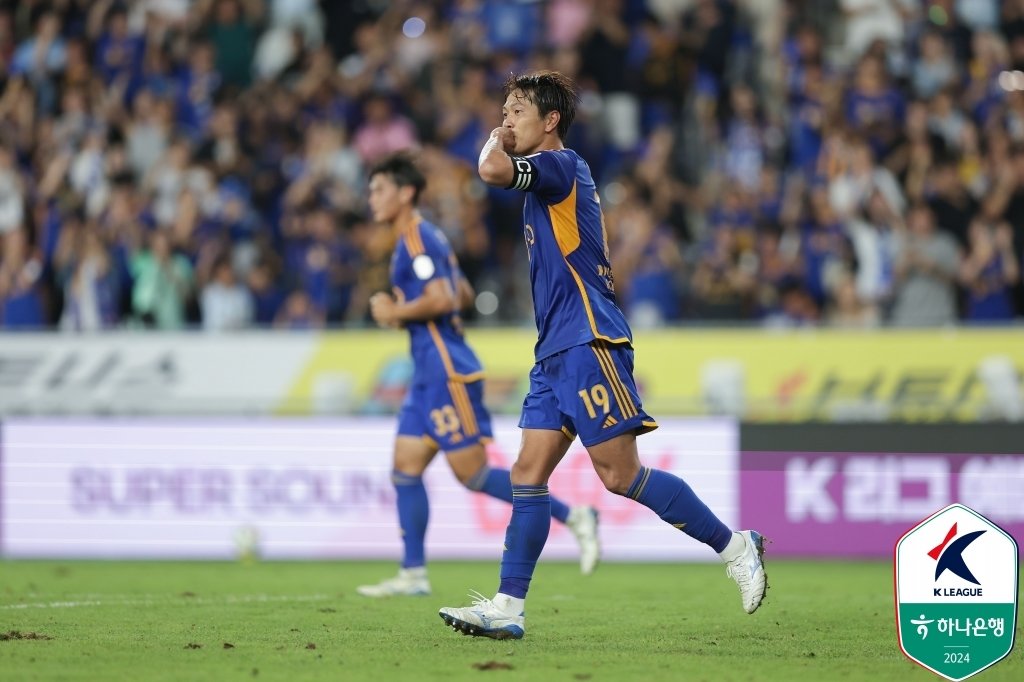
444	408
582	382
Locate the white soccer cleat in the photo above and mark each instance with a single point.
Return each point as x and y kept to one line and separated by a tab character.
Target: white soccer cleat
484	618
748	570
582	522
409	582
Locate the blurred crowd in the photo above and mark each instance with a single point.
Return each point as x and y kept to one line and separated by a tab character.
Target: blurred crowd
201	163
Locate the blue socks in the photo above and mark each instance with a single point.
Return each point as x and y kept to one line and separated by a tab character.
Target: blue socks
676	503
668	496
524	540
414	509
413	514
498	484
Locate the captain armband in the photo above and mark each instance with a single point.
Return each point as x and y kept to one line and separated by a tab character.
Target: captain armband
524	174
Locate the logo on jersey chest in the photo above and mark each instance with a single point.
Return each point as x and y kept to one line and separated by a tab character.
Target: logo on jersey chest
528	235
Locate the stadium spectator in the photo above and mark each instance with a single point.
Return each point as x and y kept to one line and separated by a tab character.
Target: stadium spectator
927	262
44	54
744	147
21	302
874	108
848	310
871	21
226	305
233	29
119	50
989	272
267	294
12	204
91	286
796	308
934	69
196	87
383	131
951	203
873	237
604	57
723	283
857	178
778	254
298	313
162	281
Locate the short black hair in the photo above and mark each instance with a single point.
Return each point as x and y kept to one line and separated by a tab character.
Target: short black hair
403	171
550	91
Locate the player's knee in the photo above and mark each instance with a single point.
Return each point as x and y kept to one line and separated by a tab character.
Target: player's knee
473	480
615	480
523	473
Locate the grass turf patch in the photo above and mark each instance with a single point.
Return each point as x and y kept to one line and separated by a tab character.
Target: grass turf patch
303	621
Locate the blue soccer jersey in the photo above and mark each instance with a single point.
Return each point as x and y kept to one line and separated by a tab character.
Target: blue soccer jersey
571	277
439	349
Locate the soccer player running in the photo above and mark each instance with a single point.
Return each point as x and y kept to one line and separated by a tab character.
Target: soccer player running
582	382
444	408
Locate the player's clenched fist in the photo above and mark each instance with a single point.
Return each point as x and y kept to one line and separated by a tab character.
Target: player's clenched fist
382	309
506	138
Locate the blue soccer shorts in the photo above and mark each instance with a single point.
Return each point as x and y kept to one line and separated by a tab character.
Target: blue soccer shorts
448	415
586	390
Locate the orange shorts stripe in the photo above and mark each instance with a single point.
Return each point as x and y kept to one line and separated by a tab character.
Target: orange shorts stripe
617	379
463	407
621	395
470	412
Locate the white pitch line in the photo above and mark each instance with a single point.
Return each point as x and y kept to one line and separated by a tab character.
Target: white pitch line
162	600
189	448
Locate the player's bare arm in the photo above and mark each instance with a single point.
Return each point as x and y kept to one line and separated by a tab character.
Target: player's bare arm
466	294
495	164
438	299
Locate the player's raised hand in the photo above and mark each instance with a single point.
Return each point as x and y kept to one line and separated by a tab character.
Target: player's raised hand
506	138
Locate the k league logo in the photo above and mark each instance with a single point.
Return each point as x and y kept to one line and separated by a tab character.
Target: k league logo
952	559
956	577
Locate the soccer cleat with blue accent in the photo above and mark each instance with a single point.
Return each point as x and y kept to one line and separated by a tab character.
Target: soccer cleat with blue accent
582	522
748	570
484	619
410	582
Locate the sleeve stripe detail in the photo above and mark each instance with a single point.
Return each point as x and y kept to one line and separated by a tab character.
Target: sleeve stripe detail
413	242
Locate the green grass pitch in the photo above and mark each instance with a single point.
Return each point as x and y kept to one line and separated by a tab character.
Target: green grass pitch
303	621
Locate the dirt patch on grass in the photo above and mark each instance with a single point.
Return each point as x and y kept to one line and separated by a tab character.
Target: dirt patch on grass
492	665
17	634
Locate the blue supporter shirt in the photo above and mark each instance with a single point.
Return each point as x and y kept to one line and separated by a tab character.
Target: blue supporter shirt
570	274
439	349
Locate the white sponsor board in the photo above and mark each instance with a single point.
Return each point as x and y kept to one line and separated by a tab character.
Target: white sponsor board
307	488
167	373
